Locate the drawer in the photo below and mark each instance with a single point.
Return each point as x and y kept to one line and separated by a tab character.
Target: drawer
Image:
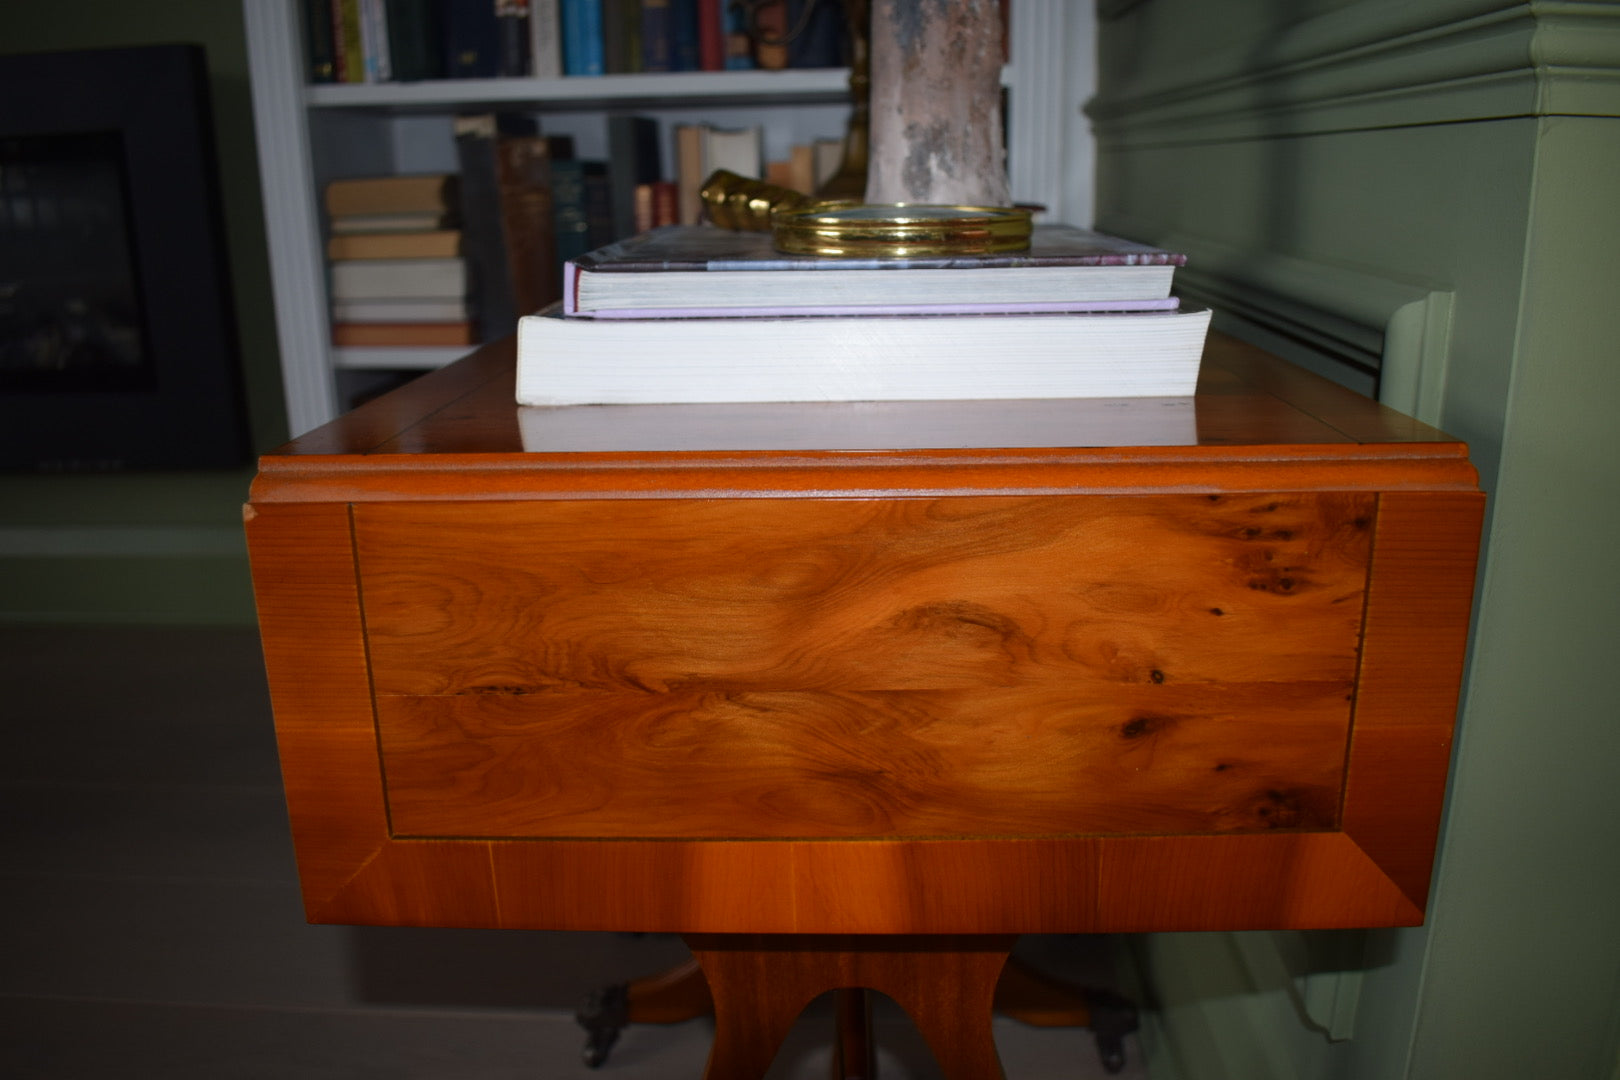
843	668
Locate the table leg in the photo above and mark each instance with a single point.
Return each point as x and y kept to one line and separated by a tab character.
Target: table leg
762	982
854	1051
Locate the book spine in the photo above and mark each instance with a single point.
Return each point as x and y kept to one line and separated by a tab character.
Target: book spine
665	203
598	205
545	39
471	39
633	159
319	48
353	52
582	37
770	27
389	195
711	34
569	213
397	311
406	245
621	36
739	51
688	50
367	334
527	224
399	279
483	239
657	36
374	41
512	38
414	40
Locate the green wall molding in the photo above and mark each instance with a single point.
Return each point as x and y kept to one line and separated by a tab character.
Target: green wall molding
1368	66
1382	335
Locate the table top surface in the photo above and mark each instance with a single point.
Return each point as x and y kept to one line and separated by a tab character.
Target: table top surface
1251	410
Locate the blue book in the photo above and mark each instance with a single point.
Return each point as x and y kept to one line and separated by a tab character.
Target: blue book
582	37
739	51
684	20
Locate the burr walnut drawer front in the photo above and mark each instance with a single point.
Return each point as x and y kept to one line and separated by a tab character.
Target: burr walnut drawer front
849	667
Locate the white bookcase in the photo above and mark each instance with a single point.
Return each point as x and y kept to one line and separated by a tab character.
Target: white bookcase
310	134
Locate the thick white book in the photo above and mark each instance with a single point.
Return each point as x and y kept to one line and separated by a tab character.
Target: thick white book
566	360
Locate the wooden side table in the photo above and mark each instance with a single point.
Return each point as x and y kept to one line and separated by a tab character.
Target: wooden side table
854	694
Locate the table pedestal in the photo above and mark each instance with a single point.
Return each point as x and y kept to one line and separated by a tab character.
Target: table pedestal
761	983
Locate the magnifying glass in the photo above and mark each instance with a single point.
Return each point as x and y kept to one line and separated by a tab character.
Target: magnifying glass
801	225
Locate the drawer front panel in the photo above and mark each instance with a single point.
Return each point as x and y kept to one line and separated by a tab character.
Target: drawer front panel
854	668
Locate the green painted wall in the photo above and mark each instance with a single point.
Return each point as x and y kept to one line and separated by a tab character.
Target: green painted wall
1473	148
152	547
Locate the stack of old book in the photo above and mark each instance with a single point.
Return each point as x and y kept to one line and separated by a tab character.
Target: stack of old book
699	314
398	275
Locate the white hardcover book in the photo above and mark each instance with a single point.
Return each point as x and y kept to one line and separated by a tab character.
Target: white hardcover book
577	361
545	39
738	150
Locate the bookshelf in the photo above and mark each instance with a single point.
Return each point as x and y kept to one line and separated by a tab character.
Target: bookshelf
310	134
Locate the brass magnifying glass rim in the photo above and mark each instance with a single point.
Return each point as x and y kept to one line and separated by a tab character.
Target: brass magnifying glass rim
900	230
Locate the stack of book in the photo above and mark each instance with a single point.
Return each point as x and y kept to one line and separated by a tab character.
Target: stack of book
397	272
698	314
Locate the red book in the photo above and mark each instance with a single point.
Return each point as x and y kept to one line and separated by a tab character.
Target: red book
711	35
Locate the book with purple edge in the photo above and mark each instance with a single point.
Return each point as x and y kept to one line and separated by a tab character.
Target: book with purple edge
699	271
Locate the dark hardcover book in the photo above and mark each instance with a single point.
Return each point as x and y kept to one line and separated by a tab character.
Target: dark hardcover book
472	40
415	39
320	48
657	35
669	36
688	50
621	36
512	37
569	213
583	49
701	269
528	220
599	203
633	159
821	43
508	217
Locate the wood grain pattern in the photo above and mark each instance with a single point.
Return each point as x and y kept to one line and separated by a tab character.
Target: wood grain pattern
864	591
860	668
1411	672
314	651
1262	426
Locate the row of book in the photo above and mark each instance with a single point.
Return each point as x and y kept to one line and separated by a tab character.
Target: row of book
448	260
698	314
364	41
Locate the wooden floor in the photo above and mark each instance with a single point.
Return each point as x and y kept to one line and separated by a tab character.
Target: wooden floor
150	923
